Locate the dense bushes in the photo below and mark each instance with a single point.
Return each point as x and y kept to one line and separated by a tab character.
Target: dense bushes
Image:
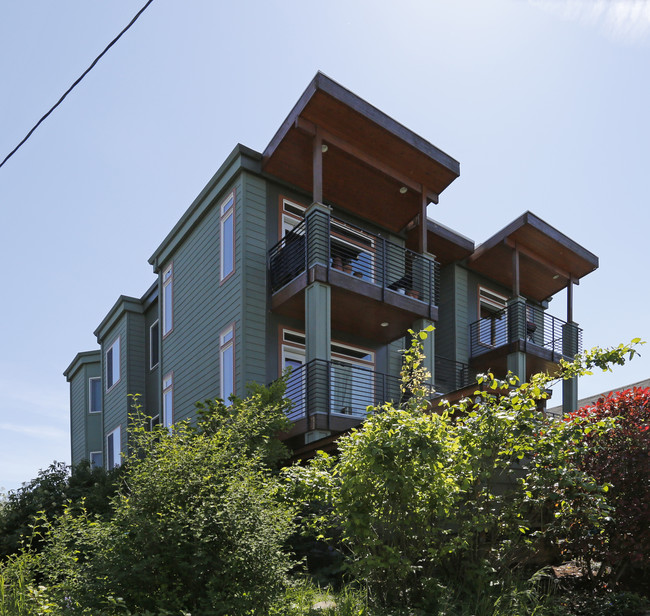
435	510
618	457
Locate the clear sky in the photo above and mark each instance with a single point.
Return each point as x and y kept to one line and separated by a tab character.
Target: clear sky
545	104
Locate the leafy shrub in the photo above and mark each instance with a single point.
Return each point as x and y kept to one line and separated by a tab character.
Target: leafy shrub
615	450
424	501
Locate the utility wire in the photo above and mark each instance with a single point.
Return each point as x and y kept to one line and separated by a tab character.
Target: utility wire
97	59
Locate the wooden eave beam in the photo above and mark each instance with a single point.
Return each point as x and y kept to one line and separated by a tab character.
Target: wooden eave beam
541	260
312	130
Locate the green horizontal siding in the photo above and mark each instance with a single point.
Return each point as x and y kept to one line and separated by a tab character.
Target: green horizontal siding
78	416
203	307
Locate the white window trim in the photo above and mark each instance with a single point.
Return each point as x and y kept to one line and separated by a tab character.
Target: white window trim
168	281
168	409
225	345
117	446
117	342
151	365
90	394
227	211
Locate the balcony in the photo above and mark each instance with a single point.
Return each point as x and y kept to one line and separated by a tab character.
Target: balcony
519	327
368	274
333	396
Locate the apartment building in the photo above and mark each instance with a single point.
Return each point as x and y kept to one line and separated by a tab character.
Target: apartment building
317	254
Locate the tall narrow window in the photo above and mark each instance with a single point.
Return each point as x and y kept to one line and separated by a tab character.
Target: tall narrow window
153	346
113	364
95	395
168	400
228	236
227	362
113	446
168	297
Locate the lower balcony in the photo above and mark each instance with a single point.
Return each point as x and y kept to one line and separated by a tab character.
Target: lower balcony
330	397
387	283
523	328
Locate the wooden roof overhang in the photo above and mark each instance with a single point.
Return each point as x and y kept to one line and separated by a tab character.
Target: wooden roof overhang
367	157
547	260
447	245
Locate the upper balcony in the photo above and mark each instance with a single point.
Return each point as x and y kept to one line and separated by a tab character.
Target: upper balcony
520	327
388	284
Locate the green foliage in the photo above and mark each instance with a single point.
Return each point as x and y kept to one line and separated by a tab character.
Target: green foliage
198	526
614	448
455	497
49	493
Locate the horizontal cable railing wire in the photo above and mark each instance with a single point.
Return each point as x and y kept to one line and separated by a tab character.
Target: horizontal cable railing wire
341	388
450	375
287	257
525	322
345	247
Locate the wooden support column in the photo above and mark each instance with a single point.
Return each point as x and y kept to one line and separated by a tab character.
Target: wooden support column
515	271
422	238
569	300
318	168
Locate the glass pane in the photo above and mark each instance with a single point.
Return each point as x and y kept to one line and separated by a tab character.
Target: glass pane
295	386
227	246
95	395
167	308
227	373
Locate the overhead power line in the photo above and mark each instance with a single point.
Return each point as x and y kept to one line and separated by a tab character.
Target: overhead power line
72	87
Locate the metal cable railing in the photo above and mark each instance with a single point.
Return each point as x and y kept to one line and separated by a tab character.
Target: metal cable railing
520	321
340	388
350	249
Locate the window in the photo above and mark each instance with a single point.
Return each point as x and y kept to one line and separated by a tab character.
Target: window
113	446
352	249
227	362
351	375
154	345
168	400
493	317
168	296
96	460
95	395
228	236
113	364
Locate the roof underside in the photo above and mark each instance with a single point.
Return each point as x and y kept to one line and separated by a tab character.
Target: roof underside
548	259
369	156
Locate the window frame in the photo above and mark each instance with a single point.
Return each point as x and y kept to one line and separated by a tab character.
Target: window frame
226	212
90	394
156	323
90	459
168	407
225	346
495	302
167	282
110	384
293	346
117	455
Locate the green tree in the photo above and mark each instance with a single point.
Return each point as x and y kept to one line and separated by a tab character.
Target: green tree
458	495
198	526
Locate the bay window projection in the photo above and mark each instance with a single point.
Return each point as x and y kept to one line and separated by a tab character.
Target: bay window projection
113	445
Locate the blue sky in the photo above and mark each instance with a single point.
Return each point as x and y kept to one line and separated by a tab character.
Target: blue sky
544	103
